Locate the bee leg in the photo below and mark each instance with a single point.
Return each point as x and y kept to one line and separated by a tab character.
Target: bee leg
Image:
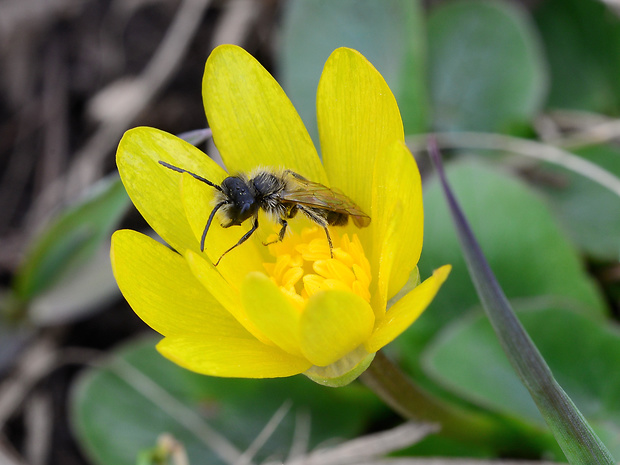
322	222
329	240
281	234
245	237
211	216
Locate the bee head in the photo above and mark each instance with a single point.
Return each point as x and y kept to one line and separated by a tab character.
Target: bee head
242	198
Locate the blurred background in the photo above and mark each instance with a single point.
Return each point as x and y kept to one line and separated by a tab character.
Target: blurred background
524	96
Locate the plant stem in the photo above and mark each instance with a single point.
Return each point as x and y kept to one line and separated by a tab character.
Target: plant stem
414	403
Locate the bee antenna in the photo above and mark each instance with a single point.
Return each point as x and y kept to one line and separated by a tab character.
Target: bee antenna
211	216
181	170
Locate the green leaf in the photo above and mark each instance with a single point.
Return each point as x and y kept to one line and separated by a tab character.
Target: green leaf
528	251
79	292
487	71
466	359
571	430
582	40
389	33
71	239
142	395
590	212
440	446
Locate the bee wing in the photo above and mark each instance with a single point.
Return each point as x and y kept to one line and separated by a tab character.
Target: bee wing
315	195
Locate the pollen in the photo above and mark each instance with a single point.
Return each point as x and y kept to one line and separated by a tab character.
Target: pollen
303	266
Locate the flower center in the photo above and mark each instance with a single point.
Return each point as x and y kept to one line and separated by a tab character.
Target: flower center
303	265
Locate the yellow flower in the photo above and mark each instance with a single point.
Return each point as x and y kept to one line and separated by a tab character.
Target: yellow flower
287	308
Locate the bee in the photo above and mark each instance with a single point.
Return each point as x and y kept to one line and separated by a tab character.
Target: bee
280	193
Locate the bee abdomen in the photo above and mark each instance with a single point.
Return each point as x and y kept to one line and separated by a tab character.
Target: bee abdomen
336	218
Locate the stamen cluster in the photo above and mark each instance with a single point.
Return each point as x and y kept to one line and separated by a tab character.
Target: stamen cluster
304	267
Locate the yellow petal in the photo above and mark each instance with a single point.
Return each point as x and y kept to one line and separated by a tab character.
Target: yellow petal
153	188
398	220
271	312
404	312
162	291
231	357
198	202
253	121
225	294
357	117
333	324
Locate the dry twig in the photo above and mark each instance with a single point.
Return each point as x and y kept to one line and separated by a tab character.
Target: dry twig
119	104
